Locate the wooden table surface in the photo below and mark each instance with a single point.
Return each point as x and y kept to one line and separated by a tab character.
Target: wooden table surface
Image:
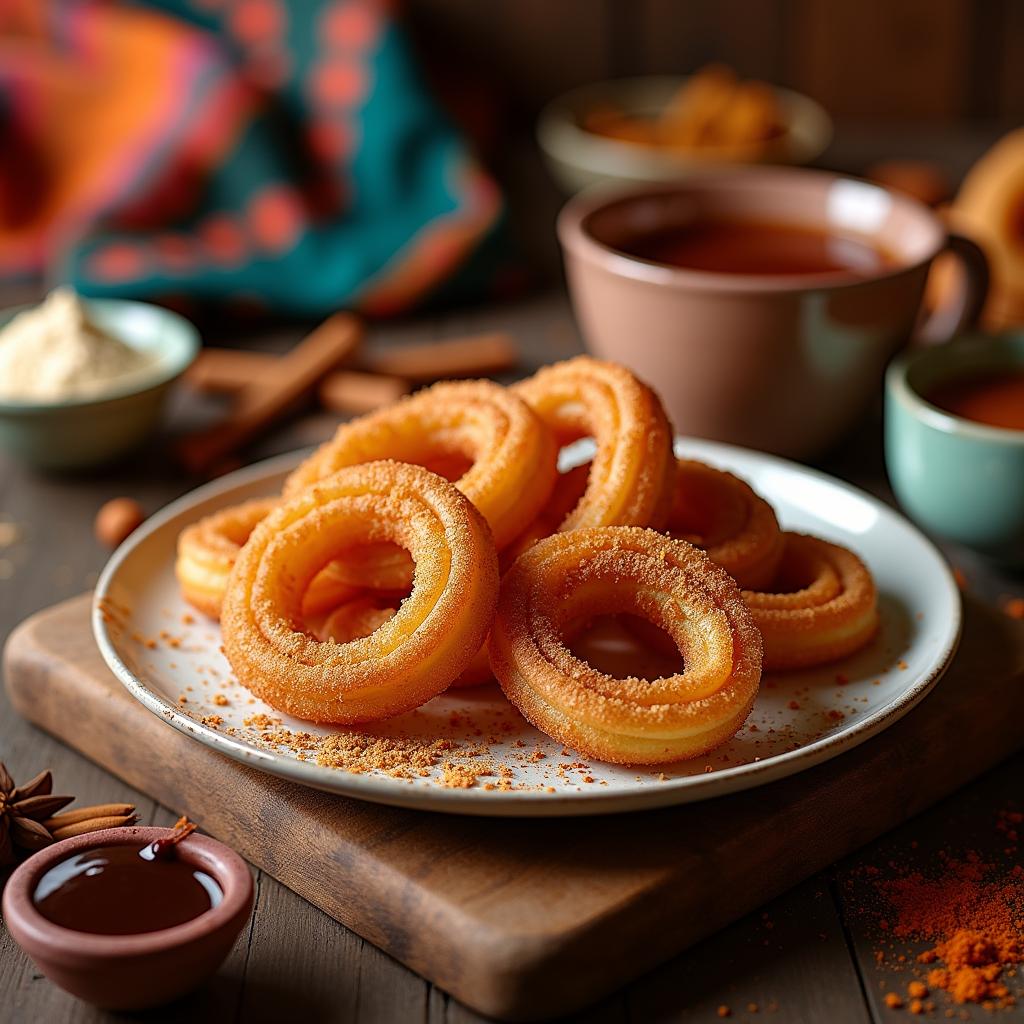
806	957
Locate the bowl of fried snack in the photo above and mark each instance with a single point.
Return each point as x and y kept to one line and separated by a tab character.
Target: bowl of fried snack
658	128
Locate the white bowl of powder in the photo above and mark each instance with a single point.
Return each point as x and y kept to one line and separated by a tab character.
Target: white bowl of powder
83	382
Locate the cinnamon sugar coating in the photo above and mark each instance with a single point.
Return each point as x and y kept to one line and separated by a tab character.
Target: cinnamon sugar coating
630	478
722	514
408	659
507	455
207	551
826	607
563	582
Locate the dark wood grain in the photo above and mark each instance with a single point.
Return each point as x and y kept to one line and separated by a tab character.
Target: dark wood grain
523	919
664	36
944	61
922	45
787	962
965	822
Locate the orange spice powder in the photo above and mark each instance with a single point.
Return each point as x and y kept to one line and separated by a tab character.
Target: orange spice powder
973	913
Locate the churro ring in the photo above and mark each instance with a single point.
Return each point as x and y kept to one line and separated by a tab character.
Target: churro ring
569	489
410	658
477	672
207	551
722	514
357	618
567	579
512	455
826	606
989	208
631	475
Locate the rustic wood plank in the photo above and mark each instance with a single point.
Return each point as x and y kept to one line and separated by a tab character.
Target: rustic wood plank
664	36
883	60
526	918
613	1010
567	42
788	962
302	965
964	822
1009	63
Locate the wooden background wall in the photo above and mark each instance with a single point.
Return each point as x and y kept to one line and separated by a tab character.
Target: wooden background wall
916	60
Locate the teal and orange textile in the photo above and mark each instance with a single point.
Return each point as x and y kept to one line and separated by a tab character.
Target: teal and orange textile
278	152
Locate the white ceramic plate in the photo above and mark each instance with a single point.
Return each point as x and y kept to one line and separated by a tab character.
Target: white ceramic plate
169	659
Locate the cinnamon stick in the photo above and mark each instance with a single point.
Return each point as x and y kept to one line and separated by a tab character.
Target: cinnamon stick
352	393
93	825
260	402
226	371
479	355
80	814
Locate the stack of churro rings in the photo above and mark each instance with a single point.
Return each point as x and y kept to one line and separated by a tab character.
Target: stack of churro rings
435	543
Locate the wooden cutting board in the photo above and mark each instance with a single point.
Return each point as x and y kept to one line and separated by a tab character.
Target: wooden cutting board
523	919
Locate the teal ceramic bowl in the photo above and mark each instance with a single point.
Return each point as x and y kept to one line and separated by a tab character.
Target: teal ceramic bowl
957	478
83	432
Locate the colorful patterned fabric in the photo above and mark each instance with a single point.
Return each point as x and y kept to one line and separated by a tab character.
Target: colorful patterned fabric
277	152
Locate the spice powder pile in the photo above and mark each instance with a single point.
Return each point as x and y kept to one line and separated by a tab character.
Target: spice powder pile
970	912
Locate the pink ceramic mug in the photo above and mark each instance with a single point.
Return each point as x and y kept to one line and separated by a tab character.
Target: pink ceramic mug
784	363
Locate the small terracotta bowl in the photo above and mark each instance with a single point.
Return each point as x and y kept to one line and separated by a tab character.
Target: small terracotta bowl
131	972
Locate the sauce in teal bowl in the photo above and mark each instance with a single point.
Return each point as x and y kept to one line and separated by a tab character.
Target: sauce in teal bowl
957	477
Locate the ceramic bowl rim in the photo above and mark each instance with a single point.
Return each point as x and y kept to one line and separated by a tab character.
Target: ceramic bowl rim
69	946
163	372
560	135
575	236
899	389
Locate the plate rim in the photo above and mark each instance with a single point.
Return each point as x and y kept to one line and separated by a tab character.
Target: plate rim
478	802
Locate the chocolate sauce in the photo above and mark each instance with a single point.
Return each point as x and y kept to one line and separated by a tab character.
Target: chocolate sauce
123	890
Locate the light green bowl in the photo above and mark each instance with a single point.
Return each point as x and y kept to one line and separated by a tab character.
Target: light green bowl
84	432
960	479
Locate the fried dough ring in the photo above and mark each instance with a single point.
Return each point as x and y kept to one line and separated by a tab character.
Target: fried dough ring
407	660
569	489
630	480
513	456
723	515
987	208
826	607
565	580
207	551
357	618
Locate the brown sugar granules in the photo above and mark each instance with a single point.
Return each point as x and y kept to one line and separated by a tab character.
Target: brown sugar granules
399	758
462	776
261	721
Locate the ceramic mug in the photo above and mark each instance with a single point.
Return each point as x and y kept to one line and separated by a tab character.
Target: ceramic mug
960	479
783	363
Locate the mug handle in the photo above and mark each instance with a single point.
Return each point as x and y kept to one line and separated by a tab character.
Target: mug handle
949	318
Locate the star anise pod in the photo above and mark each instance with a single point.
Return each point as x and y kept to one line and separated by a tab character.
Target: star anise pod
22	812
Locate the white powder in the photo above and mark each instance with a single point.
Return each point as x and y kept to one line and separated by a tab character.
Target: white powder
54	351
